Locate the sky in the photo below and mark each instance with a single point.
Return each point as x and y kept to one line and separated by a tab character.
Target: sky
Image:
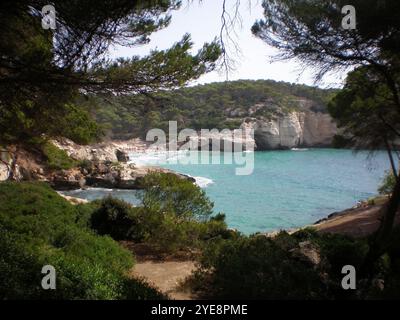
202	19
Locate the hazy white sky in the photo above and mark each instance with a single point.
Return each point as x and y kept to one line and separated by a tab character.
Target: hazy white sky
203	21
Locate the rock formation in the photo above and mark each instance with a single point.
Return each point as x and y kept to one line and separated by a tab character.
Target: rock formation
100	167
113	151
295	129
104	174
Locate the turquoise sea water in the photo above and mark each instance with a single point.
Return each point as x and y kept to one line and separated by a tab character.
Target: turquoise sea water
286	189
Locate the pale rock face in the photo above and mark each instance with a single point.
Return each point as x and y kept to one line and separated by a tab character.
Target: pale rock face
228	141
3	172
319	129
3	168
113	151
295	129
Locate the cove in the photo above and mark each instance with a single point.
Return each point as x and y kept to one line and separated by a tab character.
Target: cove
287	189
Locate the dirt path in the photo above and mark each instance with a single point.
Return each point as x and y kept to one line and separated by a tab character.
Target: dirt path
167	276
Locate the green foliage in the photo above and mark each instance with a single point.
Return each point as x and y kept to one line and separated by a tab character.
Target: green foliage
115	218
79	126
166	192
365	110
256	268
175	215
312	32
169	233
390	271
39	227
85	164
56	158
44	72
339	142
388	183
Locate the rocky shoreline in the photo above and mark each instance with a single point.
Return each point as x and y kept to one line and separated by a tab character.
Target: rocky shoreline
107	165
105	174
104	165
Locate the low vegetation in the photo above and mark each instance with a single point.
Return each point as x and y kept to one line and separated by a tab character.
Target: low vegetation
388	183
175	215
259	267
38	227
56	158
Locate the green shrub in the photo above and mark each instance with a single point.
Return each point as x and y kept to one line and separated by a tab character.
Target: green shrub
390	271
170	233
79	126
166	192
115	218
340	142
256	268
340	251
38	227
20	275
388	183
56	158
175	215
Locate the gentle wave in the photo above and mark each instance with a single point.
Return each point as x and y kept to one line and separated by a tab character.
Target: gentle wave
90	189
299	149
203	182
155	157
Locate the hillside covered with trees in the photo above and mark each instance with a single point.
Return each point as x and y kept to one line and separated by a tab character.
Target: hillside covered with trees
215	105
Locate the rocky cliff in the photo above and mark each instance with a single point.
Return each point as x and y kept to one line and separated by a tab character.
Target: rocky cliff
307	125
295	129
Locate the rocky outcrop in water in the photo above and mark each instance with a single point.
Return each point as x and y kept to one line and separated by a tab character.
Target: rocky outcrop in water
105	175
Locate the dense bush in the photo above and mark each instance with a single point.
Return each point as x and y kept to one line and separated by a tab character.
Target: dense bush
166	192
388	183
258	267
255	267
56	158
339	142
115	218
175	215
79	126
38	227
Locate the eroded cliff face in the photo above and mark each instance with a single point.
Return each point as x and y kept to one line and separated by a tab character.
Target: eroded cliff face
295	129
